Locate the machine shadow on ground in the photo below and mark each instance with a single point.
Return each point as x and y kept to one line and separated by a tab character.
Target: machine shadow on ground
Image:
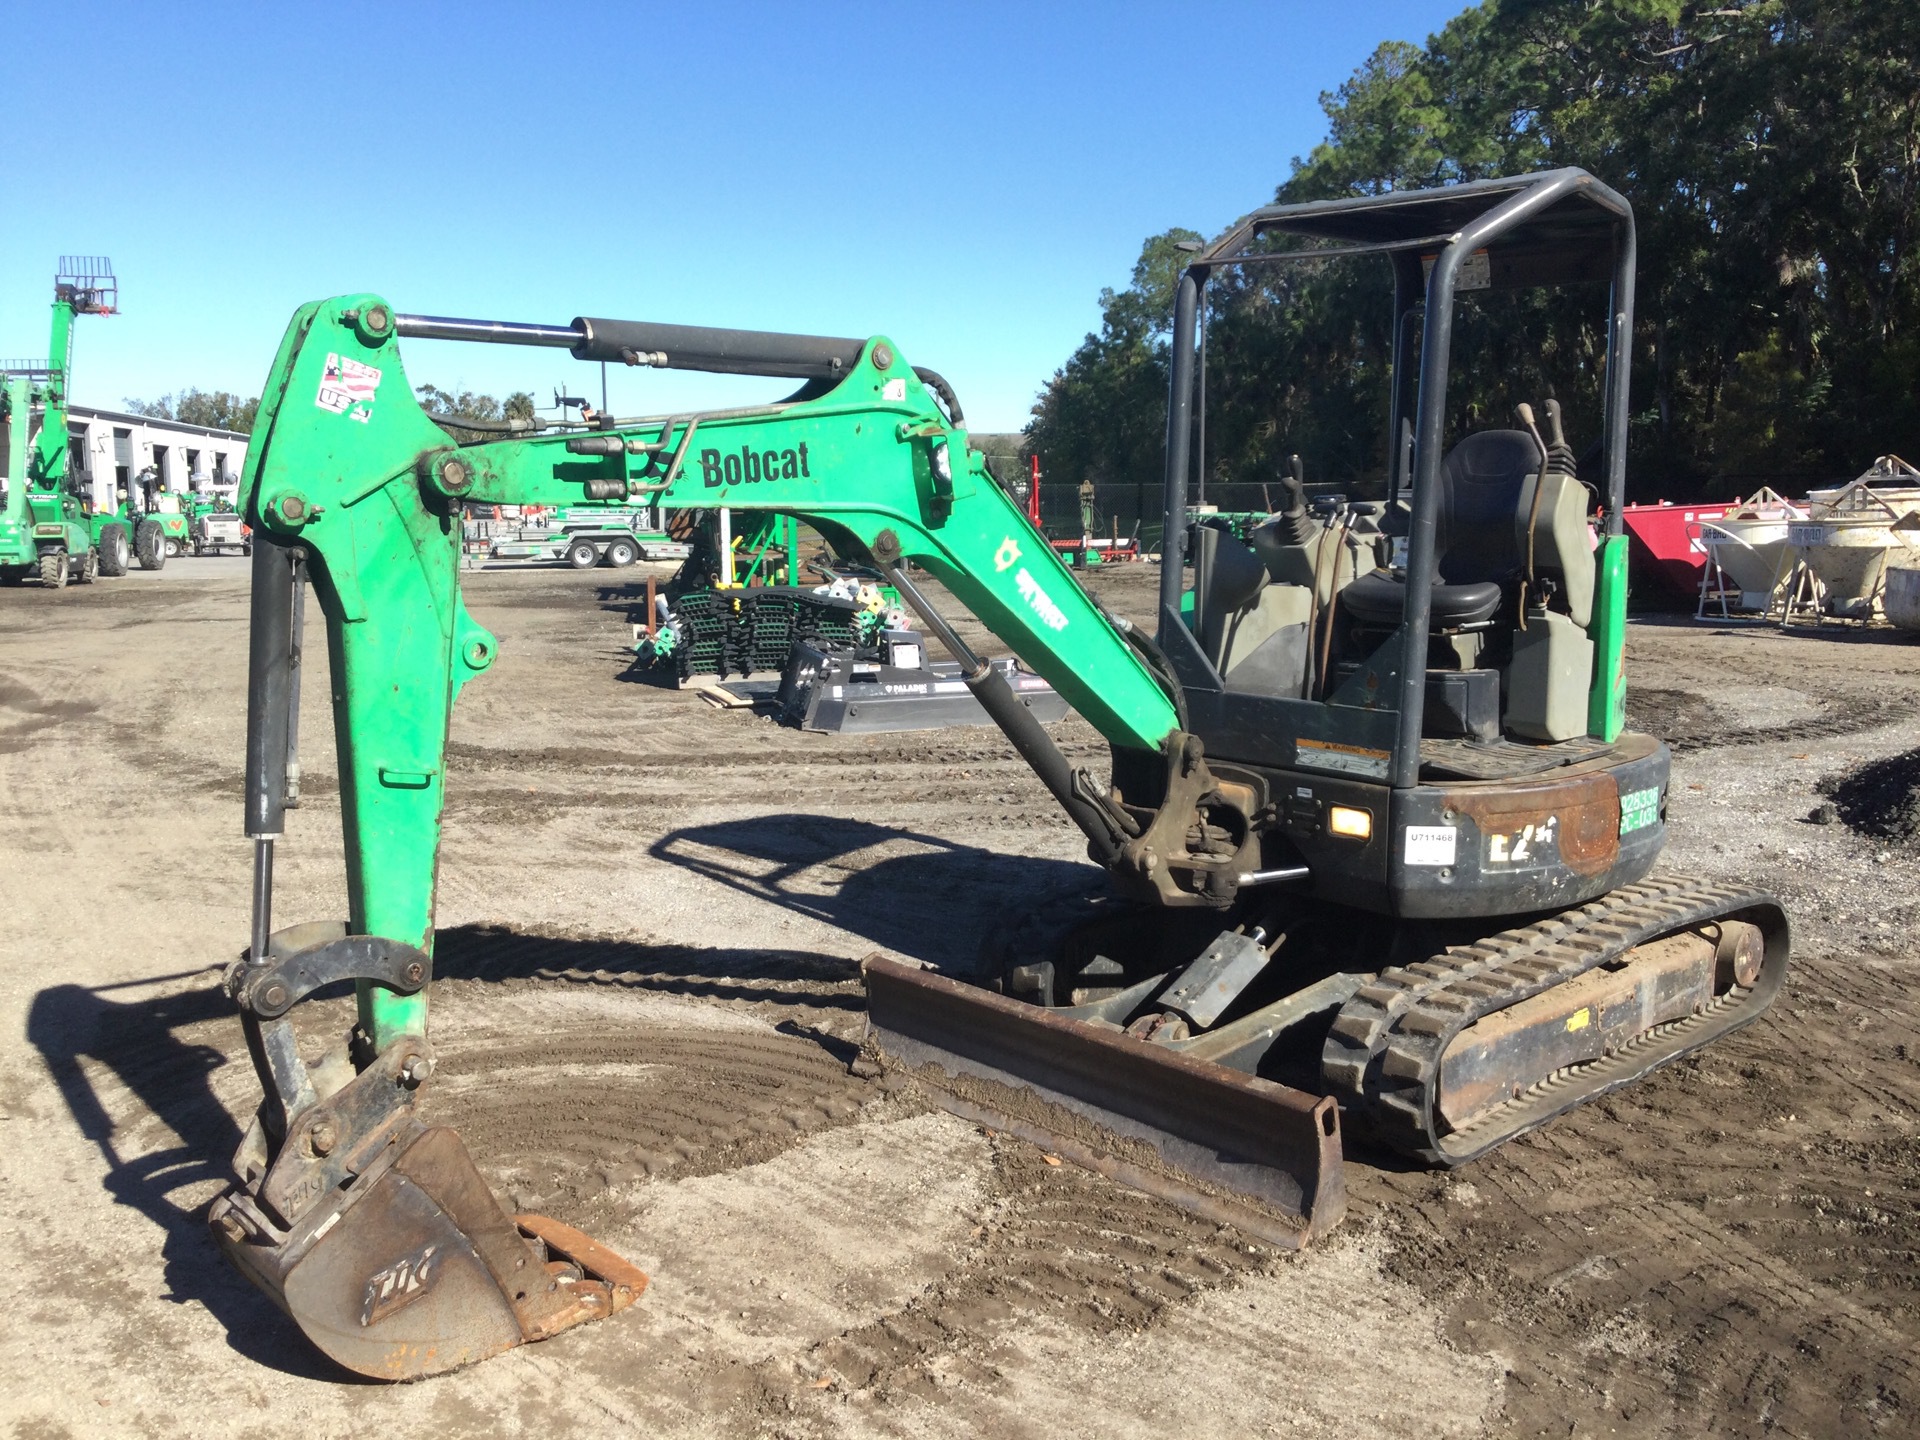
139	1042
501	953
808	864
79	1031
639	672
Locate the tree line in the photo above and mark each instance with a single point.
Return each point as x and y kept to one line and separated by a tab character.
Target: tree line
1771	151
215	409
223	410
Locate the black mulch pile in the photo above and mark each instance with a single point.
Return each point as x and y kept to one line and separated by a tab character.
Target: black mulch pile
1881	798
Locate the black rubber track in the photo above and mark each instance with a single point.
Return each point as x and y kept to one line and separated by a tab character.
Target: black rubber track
1382	1058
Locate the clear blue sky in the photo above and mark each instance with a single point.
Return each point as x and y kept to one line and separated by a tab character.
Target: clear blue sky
964	178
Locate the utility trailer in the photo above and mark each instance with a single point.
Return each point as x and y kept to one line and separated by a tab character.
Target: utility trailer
584	537
893	687
219	532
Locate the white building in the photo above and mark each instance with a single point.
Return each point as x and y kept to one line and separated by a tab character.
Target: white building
116	451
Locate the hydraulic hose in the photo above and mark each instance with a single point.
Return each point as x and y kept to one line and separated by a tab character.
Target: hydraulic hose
490	427
1017	723
1152	656
937	383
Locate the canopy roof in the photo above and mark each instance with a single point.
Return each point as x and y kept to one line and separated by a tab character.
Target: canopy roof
1558	226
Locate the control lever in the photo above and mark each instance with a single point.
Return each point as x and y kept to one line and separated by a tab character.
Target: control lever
1296	525
1525	412
1553	424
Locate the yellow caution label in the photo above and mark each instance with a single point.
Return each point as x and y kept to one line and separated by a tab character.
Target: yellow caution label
1580	1019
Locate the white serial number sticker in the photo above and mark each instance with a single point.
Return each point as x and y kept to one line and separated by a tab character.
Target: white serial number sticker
1432	844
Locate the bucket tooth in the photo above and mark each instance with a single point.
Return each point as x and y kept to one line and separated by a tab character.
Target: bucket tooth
1223	1145
604	1279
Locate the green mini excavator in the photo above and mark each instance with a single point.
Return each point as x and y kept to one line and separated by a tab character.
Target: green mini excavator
49	527
1377	847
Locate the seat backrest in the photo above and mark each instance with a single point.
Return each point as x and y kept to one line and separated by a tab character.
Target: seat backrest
1482	481
1234	576
1486	502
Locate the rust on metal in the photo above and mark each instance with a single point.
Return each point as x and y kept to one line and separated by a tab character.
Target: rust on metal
1572	1023
415	1269
1741	952
606	1283
1221	1144
1583	810
545	1299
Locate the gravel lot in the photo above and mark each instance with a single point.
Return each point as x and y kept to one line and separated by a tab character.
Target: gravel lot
651	916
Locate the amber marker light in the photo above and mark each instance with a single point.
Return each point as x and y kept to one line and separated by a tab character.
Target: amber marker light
1349	822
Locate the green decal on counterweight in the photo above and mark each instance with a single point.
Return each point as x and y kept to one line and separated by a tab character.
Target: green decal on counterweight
1639	809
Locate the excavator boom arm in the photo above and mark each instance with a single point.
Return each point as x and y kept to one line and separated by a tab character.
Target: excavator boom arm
349	472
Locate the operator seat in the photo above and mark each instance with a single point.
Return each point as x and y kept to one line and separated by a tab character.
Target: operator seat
1479	533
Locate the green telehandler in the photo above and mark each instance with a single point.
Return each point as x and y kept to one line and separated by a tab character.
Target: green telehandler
1378	844
49	526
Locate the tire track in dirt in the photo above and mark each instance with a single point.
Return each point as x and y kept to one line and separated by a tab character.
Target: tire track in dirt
627	1103
590	1117
1741	1308
1057	1245
1689	722
663	749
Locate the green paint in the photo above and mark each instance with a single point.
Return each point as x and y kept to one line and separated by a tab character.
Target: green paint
1607	700
16	523
38	513
384	546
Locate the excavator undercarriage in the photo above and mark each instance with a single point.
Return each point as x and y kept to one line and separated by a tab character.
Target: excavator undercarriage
1376	849
1128	1039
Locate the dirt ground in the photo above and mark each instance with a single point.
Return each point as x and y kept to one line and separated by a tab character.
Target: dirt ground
651	915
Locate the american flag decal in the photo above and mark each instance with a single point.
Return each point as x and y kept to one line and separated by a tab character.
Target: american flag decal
347	388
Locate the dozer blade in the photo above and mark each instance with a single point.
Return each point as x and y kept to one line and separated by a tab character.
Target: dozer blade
1227	1146
414	1268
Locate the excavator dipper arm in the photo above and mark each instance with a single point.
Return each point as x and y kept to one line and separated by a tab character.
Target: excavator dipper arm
372	1229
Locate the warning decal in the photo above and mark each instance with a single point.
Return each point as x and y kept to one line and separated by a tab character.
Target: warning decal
1348	759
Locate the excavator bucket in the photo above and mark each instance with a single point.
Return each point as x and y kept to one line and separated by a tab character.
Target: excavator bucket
1227	1146
370	1228
417	1269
